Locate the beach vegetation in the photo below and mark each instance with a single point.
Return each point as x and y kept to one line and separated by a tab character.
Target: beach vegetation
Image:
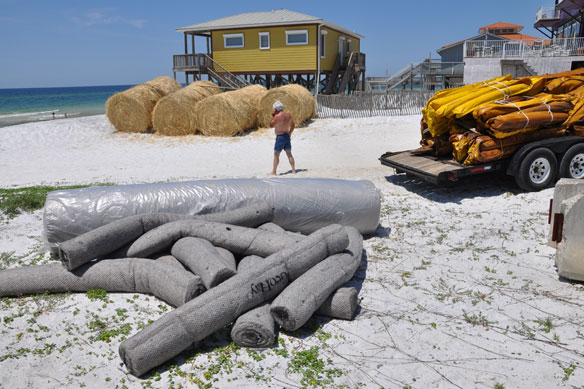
546	324
17	200
568	371
312	368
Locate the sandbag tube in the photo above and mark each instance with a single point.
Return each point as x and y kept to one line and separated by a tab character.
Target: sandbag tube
298	302
255	328
140	275
341	304
175	331
115	235
203	259
239	240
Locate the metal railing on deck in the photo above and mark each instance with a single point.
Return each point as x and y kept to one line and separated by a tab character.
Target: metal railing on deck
189	61
547	12
561	47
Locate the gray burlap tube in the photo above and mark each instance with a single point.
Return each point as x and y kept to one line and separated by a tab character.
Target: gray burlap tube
238	240
227	258
249	262
175	331
296	304
109	238
166	282
203	259
254	328
249	216
170	260
114	236
341	304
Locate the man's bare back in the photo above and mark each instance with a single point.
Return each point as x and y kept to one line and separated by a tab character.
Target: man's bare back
282	122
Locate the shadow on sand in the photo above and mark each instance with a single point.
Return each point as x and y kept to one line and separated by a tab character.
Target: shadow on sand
486	185
290	172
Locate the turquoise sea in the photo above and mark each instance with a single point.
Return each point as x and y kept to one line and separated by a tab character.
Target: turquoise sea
38	104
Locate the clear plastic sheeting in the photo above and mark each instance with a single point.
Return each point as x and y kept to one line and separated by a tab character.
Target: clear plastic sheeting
300	204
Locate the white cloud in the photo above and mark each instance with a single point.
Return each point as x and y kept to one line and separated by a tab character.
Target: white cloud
106	16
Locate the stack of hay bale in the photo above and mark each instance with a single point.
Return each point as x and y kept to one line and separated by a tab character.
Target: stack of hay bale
131	110
229	113
490	120
190	262
201	108
175	114
297	101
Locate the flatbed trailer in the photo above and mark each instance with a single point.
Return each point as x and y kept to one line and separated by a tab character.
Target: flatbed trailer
535	165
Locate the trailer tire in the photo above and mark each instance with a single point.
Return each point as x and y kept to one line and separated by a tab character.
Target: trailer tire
537	170
572	165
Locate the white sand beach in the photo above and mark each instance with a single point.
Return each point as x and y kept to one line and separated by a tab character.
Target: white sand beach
459	288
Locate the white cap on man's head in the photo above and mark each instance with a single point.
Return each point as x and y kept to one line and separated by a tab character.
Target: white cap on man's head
278	106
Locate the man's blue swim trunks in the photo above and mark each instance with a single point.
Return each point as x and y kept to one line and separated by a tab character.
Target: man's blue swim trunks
282	143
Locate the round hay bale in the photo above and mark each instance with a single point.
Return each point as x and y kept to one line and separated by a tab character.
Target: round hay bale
131	110
297	100
229	113
174	114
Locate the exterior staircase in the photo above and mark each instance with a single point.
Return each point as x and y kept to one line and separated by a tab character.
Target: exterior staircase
517	68
224	77
346	74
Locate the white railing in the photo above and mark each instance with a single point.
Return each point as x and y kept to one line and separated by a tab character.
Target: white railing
185	61
547	12
562	47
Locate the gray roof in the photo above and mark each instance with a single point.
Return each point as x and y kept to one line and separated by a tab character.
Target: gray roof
281	17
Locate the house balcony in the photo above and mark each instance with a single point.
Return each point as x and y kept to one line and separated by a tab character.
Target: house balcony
561	47
191	62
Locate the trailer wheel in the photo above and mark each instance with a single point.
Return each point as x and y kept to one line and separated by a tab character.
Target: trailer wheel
537	170
572	165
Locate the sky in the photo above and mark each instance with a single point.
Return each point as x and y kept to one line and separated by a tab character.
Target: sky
61	43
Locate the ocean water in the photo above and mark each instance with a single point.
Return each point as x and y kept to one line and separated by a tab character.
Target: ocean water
38	104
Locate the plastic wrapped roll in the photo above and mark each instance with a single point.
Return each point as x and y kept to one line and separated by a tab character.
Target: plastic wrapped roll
300	204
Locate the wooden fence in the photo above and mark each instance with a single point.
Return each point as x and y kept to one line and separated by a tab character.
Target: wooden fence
362	104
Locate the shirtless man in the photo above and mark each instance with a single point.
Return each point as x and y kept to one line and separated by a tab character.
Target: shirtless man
283	125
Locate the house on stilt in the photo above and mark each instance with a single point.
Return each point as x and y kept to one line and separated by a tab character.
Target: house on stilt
274	48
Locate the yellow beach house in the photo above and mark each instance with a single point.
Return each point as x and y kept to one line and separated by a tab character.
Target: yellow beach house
274	48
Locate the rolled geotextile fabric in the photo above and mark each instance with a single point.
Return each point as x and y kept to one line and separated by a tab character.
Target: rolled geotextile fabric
201	258
175	331
269	226
341	304
276	228
174	114
170	260
297	303
251	215
109	238
300	204
239	240
227	258
131	110
254	328
229	113
116	235
249	262
297	101
140	275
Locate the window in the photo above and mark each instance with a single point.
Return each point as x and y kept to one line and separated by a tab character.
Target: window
264	40
232	40
297	37
323	43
